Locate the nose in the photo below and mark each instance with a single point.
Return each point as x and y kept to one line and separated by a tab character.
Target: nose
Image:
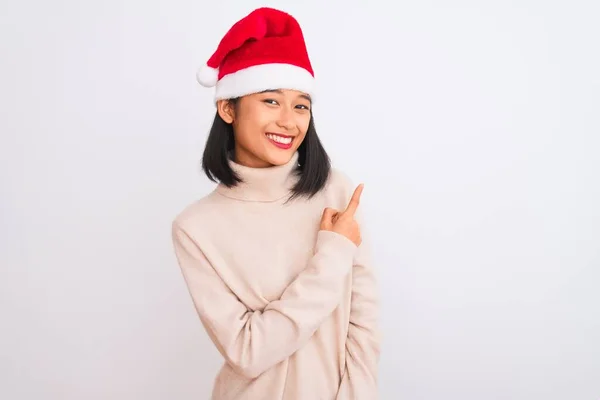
286	119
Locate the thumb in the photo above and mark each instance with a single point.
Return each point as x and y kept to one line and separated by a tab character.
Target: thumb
327	218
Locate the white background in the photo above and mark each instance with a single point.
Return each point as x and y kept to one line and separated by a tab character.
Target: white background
474	125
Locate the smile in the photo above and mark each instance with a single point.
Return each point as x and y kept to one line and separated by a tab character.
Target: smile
281	141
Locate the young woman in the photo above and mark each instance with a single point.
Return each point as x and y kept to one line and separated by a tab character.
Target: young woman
274	258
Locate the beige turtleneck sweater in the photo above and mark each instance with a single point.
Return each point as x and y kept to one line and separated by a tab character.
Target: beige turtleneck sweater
293	310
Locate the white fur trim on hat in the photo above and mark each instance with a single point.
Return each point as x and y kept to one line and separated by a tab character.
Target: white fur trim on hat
258	78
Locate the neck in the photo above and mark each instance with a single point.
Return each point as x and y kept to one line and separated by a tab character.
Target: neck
247	159
262	184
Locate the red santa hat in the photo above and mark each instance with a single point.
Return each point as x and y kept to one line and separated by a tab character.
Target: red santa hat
264	50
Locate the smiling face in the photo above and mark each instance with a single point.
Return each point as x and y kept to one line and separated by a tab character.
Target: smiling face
268	126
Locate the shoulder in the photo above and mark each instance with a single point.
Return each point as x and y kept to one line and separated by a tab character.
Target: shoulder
340	182
338	189
196	213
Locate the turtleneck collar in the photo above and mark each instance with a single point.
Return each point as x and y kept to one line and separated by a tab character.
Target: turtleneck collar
262	184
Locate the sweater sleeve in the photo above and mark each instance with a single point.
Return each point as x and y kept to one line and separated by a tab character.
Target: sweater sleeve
254	341
364	339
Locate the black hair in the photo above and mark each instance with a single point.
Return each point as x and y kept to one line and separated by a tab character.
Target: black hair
313	169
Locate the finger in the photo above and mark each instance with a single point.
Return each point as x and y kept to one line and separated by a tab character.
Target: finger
354	201
329	213
328	216
335	217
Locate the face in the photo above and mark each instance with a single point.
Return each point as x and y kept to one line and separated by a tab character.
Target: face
268	127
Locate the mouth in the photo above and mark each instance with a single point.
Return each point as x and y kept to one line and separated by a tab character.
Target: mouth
281	141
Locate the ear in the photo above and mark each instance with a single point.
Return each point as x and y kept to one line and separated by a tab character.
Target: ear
226	110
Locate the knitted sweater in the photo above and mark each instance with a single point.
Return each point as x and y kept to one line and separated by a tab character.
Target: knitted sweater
292	309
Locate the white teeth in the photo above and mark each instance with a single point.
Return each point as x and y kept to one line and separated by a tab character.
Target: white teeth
279	139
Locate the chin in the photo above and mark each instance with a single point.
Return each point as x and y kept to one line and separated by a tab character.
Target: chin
280	157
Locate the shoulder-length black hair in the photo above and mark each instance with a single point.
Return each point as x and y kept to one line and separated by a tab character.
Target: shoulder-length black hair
313	169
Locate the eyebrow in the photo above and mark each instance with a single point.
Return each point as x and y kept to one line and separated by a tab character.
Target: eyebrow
304	96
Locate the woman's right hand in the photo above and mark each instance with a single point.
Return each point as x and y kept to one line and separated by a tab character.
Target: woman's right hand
343	222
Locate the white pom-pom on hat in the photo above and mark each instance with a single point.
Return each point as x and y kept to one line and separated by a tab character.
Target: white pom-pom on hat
207	76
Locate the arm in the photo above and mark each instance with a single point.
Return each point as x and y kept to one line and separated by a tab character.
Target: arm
363	342
253	342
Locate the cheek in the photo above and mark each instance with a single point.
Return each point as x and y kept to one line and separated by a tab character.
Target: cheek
248	130
303	122
254	121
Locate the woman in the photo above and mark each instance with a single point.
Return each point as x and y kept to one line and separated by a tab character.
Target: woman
273	257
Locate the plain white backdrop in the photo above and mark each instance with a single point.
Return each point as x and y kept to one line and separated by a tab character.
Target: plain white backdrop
474	125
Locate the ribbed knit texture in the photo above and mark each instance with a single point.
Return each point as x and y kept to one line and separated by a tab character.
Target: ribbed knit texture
292	309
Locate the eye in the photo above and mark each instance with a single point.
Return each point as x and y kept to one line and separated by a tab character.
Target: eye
270	101
302	107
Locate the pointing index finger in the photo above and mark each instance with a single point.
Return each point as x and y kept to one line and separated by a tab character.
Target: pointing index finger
355	200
